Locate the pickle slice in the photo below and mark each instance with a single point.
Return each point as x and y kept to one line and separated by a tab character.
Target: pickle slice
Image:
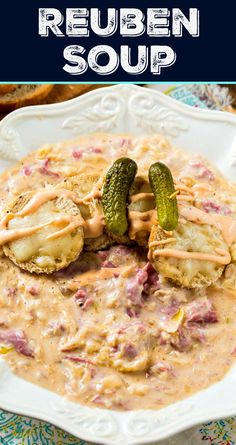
119	179
162	185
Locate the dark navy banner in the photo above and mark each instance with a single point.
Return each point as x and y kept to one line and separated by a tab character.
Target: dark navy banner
115	41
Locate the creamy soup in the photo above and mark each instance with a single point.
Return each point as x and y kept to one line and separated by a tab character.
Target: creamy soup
139	323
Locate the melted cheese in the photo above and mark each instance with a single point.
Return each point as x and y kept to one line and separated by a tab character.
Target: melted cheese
46	242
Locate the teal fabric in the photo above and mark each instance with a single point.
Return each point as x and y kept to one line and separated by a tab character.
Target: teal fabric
18	430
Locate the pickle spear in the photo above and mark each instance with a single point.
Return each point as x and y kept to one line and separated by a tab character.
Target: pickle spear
162	185
119	179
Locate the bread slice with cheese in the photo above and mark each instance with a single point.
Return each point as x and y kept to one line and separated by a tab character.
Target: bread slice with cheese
38	252
188	237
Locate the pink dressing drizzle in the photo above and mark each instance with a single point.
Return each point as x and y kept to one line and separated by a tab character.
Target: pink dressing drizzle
226	224
223	257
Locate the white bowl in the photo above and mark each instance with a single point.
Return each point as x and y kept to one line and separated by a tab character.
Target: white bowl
119	109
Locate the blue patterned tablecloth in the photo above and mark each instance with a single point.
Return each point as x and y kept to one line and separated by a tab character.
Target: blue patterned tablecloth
18	430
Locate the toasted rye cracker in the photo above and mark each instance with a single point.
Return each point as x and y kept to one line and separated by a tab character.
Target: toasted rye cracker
190	237
36	253
83	185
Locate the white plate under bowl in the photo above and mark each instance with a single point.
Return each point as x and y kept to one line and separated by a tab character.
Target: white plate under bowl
119	109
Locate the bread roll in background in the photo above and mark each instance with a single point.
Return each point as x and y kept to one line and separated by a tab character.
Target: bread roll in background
64	92
22	95
6	88
232	90
15	96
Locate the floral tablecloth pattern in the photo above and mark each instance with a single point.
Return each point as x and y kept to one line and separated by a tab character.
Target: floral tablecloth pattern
19	430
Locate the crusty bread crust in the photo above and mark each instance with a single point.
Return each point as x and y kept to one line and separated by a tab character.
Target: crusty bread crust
82	185
23	95
7	88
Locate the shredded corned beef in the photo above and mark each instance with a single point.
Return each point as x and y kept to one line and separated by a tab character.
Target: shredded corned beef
171	308
77	154
183	340
116	275
197	333
97	399
95	150
10	291
129	351
102	254
131	312
88	302
134	291
145	282
212	206
74	269
81	298
152	284
125	142
120	250
186	337
45	170
33	290
161	366
80	295
108	264
26	170
202	172
200	311
18	339
55	327
79	360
